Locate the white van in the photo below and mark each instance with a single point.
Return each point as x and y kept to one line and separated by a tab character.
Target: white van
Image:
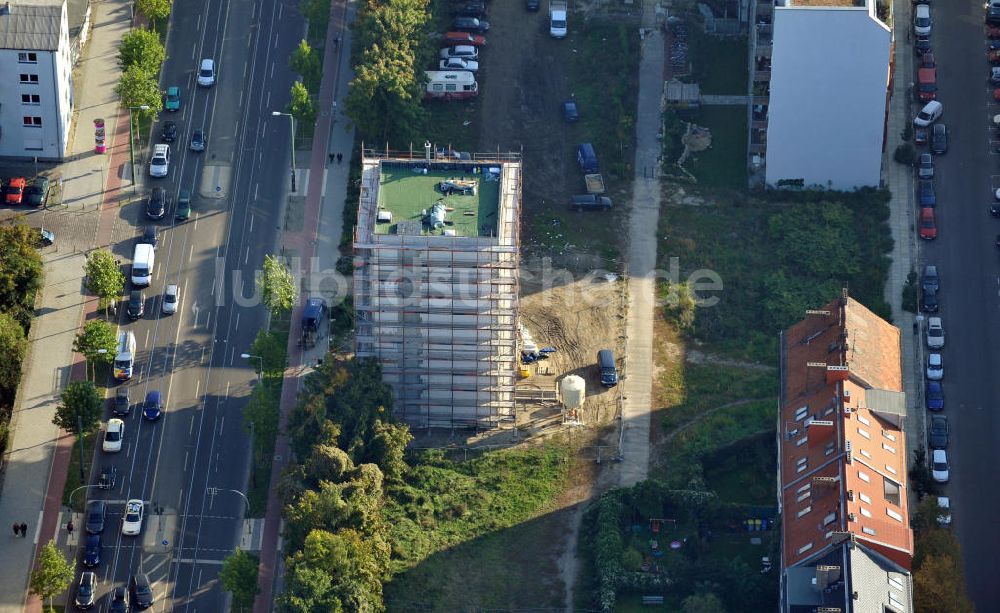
451	84
125	356
142	265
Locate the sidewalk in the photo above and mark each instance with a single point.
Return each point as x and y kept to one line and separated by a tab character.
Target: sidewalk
38	454
316	245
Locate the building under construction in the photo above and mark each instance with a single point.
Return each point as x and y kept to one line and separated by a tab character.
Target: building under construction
436	283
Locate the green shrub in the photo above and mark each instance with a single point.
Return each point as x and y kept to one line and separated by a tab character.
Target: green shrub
905	154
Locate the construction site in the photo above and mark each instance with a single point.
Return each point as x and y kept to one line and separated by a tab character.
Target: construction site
436	283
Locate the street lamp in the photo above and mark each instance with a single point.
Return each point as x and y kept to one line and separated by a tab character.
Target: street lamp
131	137
247	356
212	491
292	120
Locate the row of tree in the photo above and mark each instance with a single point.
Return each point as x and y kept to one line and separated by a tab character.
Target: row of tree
938	573
141	56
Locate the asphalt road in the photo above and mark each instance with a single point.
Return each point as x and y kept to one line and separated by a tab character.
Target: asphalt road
192	357
969	264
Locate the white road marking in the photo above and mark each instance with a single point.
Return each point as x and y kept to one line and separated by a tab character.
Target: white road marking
146	344
186	459
251	214
191	253
272	70
237	326
222	424
246	256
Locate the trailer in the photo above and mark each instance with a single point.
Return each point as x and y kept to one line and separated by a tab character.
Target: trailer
558	18
595	183
451	85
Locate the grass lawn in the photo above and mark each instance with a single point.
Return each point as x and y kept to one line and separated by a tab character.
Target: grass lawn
720	63
73	480
724	164
744	474
694	389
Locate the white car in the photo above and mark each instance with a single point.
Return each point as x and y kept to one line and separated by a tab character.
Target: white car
113	436
132	521
464	51
458	63
944	511
159	164
935	367
931	112
171	296
206	73
922	20
939	466
935	333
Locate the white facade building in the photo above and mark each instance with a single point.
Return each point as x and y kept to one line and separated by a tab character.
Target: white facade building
829	81
36	98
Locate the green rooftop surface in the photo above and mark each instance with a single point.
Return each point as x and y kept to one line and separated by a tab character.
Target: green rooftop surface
409	196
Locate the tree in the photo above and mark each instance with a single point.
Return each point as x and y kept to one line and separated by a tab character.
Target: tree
317	13
306	62
139	88
939	586
702	603
53	575
81	405
142	48
154	10
239	576
21	270
13	347
301	106
96	336
385	95
277	285
104	276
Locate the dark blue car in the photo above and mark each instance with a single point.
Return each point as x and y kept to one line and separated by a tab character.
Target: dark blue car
570	112
152	408
935	396
925	191
92	551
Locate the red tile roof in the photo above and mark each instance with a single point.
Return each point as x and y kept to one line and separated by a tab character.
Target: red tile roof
842	463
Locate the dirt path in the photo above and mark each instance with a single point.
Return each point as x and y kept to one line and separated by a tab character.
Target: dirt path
701	416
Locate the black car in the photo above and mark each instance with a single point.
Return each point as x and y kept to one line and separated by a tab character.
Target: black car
198	140
108	478
532	5
136	305
142	591
590	202
95	517
38	192
156	206
119	601
92	550
939	139
930	279
148	235
121	406
86	591
937	433
922	45
995	210
169	133
470	24
472	8
929	301
993	14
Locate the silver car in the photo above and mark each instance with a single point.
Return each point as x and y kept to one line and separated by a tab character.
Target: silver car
171	296
925	166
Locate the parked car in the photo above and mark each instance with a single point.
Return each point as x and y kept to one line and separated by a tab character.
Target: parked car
922	45
168	133
570	112
922	20
935	366
929	301
532	6
470	24
464	51
156	205
925	166
171	296
920	137
934	395
940	470
14	192
995	75
132	518
37	194
925	193
929	279
183	209
937	432
935	333
96	511
928	224
939	139
927	84
931	112
464	38
172	101
458	63
927	61
113	436
206	73
944	511
136	304
472	8
590	202
993	13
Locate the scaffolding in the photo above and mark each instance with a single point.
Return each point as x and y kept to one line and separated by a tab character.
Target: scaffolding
439	311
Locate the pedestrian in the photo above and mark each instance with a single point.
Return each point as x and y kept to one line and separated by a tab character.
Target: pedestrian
340	157
17	529
331	157
69	526
24	530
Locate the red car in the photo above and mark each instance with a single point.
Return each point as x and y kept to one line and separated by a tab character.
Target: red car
464	38
928	226
15	190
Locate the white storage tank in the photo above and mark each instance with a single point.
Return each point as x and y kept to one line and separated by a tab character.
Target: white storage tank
573	390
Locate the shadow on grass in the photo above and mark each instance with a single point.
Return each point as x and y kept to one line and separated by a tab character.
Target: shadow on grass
724	164
719	63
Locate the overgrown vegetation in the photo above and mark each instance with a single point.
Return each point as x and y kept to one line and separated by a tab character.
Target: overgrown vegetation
777	256
938	574
260	416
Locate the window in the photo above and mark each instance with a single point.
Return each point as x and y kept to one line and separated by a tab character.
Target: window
889	435
34	122
864	420
865	453
805	547
801	413
896	602
802	464
803	496
805	488
891	489
29	78
864	433
894	515
34	99
896	583
866	498
802	441
865	512
864	476
890	469
829	519
829	449
27	58
888	448
868	530
804	511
